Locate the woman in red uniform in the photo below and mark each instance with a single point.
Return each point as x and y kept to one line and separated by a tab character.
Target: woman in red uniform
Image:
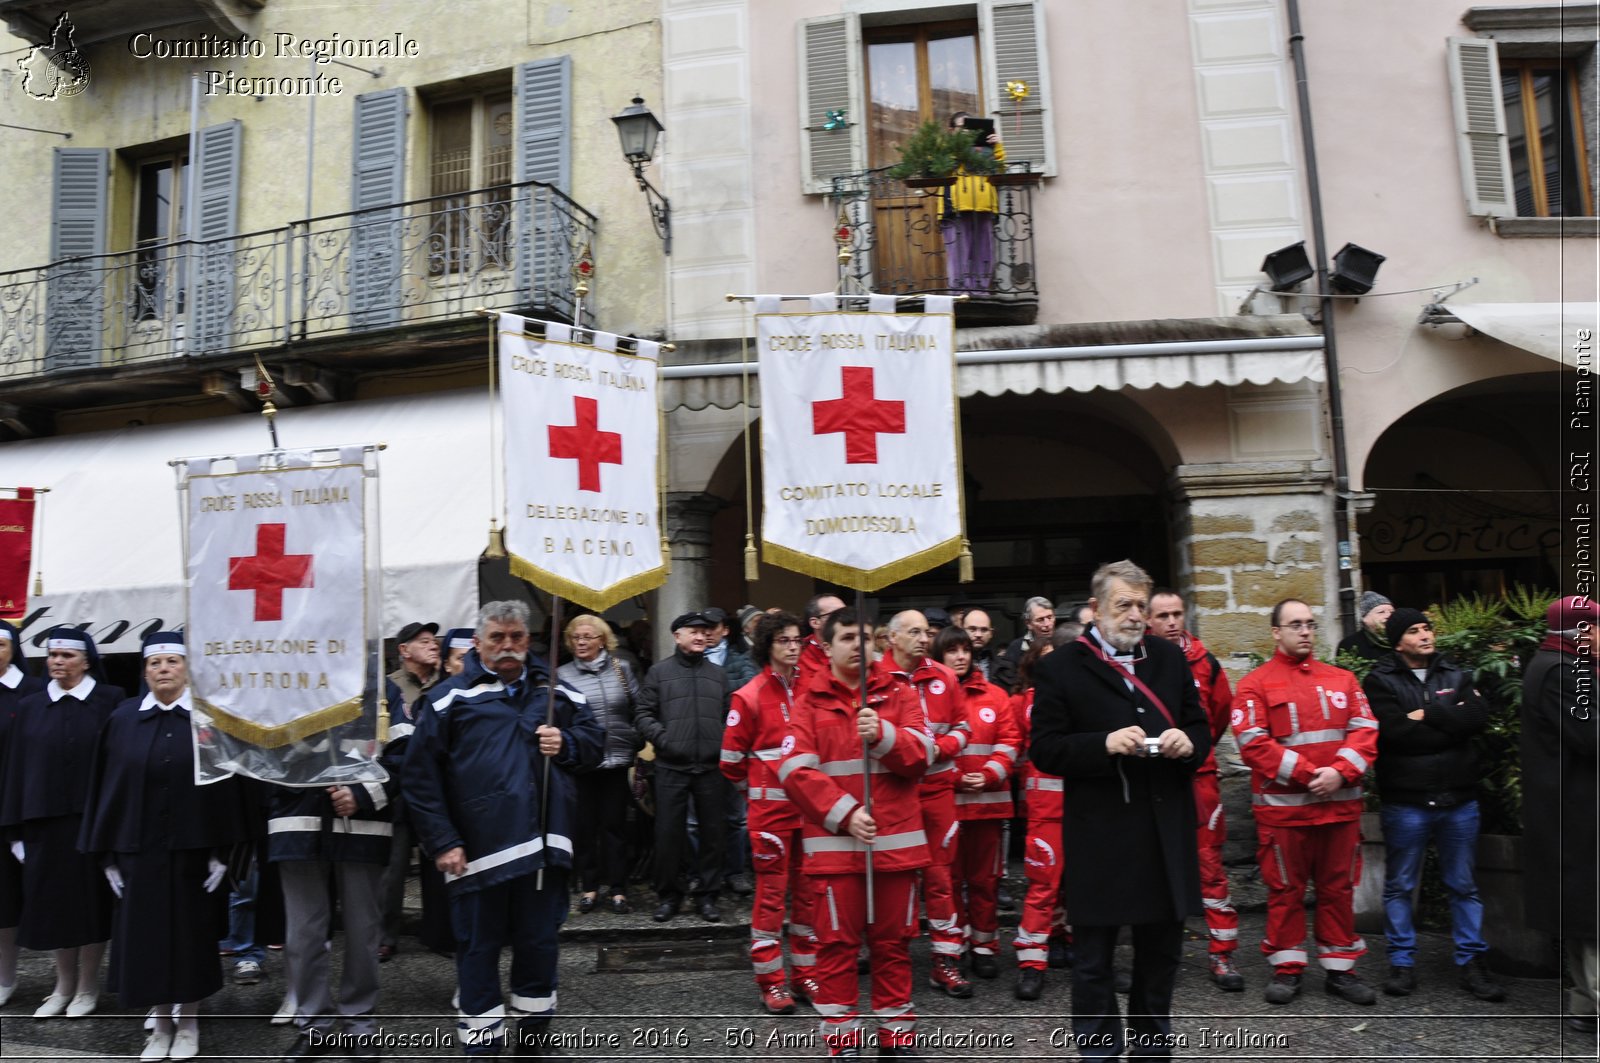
983	797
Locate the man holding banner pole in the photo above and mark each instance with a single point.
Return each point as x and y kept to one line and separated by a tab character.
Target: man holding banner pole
837	713
472	771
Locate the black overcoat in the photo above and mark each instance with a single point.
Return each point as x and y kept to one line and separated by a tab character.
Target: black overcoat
1128	834
1559	738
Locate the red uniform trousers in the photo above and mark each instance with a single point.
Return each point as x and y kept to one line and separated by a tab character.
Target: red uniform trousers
938	891
776	856
840	903
978	867
1222	921
1329	855
1043	916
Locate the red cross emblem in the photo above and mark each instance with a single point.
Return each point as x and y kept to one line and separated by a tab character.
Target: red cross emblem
270	572
585	443
859	415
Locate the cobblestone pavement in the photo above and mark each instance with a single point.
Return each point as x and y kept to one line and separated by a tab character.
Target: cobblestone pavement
633	989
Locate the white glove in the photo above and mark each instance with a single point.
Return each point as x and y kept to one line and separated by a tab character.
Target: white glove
16	851
114	876
218	869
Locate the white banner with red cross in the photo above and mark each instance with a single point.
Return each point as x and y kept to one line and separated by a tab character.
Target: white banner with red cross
282	608
860	442
582	439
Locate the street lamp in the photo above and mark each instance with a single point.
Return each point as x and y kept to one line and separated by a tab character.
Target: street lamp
638	129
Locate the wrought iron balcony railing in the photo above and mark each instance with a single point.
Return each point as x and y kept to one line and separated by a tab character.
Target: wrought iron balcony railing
903	240
514	247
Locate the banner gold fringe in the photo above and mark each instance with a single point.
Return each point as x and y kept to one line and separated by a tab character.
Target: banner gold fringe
864	579
277	737
596	600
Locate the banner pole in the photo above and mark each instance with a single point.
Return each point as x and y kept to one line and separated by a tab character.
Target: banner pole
549	718
866	753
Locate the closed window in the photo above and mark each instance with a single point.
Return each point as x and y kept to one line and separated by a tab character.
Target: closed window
915	74
1544	137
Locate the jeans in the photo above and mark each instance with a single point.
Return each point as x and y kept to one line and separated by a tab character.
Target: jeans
1407	830
241	939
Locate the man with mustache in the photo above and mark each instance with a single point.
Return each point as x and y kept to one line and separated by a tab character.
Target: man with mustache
1117	716
485	742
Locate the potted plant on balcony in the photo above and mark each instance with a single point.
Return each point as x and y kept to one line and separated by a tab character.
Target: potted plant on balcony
935	154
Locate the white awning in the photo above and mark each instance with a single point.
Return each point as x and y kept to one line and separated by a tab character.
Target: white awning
112	553
1547	329
1053	370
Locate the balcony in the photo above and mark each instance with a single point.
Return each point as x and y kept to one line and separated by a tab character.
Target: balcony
897	245
310	286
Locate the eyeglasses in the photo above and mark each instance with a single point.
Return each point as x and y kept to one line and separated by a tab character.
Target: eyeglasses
788	641
585	638
1300	625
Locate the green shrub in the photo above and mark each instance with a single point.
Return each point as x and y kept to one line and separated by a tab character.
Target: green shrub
935	150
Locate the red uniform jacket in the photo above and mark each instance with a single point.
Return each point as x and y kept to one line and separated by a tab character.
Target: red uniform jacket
813	658
944	708
1216	696
822	774
752	750
993	749
1041	793
1293	717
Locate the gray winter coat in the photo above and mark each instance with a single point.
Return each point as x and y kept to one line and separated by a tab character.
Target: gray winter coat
613	690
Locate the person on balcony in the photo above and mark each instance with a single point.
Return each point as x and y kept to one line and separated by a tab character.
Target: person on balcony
967	217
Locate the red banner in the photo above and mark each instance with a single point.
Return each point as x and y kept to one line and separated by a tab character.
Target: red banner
16	552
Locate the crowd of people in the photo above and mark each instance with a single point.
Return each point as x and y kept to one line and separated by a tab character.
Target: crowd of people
861	779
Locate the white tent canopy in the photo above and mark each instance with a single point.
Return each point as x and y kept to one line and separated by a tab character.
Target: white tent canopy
112	556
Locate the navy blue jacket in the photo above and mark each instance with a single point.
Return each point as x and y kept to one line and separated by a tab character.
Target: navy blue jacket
473	772
301	824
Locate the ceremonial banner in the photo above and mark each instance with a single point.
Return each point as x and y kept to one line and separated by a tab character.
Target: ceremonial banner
16	551
582	437
283	659
859	441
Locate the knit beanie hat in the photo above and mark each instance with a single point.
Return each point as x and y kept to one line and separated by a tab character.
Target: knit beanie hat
1368	602
1400	621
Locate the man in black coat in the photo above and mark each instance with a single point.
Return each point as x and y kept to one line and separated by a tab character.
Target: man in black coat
1429	711
1559	739
1117	715
683	705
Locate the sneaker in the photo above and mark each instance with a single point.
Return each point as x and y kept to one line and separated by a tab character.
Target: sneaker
804	988
1475	980
946	975
1402	981
246	972
157	1046
1225	974
83	1005
1283	988
1346	986
741	884
1030	984
777	1000
984	965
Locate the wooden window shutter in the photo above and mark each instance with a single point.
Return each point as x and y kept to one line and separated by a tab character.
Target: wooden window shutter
830	80
75	290
216	219
544	257
1014	50
1480	115
377	188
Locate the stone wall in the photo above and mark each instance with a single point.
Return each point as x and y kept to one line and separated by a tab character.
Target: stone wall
1250	535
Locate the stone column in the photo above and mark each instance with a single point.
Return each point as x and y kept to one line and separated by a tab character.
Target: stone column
1255	533
688	586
